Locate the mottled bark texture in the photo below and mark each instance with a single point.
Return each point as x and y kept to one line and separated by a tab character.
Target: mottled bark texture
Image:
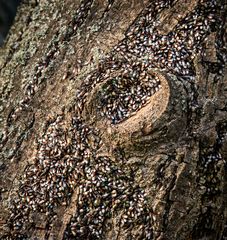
69	172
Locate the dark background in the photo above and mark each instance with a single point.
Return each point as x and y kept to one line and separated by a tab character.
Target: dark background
8	10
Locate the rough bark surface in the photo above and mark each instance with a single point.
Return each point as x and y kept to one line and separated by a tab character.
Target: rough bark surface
69	172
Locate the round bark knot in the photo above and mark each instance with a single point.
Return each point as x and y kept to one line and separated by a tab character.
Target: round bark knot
138	121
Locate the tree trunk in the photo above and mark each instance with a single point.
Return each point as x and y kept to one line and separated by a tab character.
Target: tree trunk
113	121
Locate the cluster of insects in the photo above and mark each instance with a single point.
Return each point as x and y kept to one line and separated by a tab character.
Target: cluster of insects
124	91
106	192
65	160
123	95
66	157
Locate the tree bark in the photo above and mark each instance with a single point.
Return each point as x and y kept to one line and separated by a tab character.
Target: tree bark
113	121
